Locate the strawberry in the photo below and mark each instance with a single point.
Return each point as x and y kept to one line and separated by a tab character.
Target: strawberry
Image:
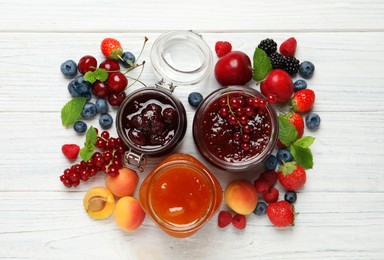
302	100
222	48
269	177
111	48
239	221
297	120
288	48
292	176
281	213
70	151
224	218
271	196
261	186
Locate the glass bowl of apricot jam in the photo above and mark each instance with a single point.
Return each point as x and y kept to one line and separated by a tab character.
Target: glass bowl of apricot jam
235	128
180	195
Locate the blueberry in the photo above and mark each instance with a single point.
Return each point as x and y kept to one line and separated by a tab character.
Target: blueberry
128	59
72	89
82	86
195	98
89	110
312	121
102	106
69	69
306	69
290	196
261	208
299	85
80	127
284	155
271	162
106	121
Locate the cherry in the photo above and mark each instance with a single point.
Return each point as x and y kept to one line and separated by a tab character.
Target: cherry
234	68
278	83
117	81
101	89
87	63
110	65
115	99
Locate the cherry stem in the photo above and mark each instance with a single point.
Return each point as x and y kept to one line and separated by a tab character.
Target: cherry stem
142	48
137	79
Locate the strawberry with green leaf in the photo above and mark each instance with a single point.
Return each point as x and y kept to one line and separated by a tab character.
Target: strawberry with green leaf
292	176
111	48
303	100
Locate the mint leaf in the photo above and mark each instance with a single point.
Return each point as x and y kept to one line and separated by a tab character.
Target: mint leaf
303	156
288	168
72	110
287	131
90	77
100	74
305	141
261	65
89	145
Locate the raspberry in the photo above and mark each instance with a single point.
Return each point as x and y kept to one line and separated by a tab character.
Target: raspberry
222	48
268	45
271	196
70	151
261	186
269	177
291	65
288	48
239	221
224	218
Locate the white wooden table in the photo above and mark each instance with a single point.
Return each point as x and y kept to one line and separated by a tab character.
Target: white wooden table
341	206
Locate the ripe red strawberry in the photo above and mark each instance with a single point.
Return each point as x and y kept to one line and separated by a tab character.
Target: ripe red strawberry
111	48
224	218
239	221
270	177
261	186
288	48
297	120
302	100
271	196
281	213
222	48
292	176
70	151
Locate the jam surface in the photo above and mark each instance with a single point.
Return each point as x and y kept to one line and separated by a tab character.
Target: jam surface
150	120
236	141
180	196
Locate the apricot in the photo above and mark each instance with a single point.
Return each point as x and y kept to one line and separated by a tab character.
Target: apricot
99	202
241	196
129	214
123	184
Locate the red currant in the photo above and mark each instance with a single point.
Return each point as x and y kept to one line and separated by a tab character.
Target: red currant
113	170
237	136
105	135
224	112
223	102
243	120
245	138
245	146
234	102
247	129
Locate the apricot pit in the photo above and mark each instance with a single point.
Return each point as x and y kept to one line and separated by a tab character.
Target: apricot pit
99	203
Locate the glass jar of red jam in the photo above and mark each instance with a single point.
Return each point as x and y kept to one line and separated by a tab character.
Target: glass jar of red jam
235	128
151	121
180	195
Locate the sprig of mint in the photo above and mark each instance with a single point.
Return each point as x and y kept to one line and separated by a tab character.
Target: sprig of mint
99	74
72	110
261	65
86	152
299	148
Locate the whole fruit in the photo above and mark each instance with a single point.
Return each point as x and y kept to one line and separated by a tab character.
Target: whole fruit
234	68
281	213
69	69
87	63
241	196
109	65
117	81
111	48
277	84
303	100
292	176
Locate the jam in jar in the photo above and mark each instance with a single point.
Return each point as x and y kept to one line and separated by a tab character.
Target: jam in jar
235	128
180	195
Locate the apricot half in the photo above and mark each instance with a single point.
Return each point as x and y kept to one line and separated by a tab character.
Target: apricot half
99	202
129	215
123	184
241	196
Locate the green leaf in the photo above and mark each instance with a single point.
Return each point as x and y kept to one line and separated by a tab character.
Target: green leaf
89	145
90	77
303	156
305	141
288	168
72	110
100	74
261	65
287	131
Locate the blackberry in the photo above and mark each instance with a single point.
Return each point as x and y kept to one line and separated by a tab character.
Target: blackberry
268	45
291	65
277	60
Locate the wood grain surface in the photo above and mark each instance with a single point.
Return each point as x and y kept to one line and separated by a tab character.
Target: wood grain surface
341	207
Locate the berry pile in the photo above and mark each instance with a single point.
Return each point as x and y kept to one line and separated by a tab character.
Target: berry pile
108	160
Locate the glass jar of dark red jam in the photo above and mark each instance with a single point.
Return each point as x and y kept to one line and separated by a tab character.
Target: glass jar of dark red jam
235	128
